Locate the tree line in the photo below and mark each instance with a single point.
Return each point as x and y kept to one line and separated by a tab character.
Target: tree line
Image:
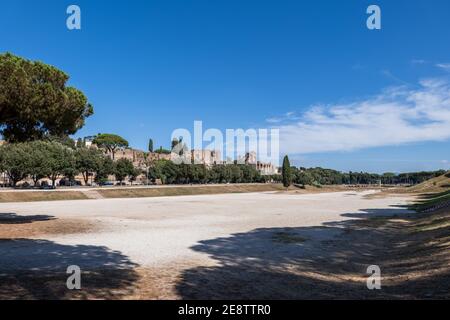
171	173
53	160
321	176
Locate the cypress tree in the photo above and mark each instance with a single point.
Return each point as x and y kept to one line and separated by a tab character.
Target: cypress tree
286	172
150	145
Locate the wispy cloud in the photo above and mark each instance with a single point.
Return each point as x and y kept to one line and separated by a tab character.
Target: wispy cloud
445	66
397	116
287	116
391	76
419	61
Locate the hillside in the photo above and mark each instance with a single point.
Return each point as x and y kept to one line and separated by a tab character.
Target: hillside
434	194
438	184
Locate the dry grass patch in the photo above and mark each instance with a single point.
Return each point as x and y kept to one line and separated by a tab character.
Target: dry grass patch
29	196
45	227
188	190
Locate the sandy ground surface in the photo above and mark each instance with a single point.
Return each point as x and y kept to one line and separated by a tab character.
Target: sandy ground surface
168	240
152	232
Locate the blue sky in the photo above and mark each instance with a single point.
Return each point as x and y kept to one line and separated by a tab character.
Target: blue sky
343	96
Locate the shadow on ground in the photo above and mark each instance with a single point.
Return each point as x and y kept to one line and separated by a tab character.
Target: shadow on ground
328	262
12	218
36	269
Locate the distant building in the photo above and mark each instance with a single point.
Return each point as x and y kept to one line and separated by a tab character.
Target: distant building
155	156
264	168
88	141
206	157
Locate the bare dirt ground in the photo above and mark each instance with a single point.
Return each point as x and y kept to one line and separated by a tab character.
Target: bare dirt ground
251	246
37	195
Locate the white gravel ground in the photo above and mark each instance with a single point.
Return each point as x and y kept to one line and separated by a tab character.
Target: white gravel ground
155	231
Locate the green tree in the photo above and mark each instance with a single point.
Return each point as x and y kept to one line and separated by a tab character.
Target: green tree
388	178
123	168
132	176
35	101
105	168
80	143
88	162
286	172
150	145
236	174
15	161
161	150
304	178
110	142
250	174
165	170
63	139
60	161
38	166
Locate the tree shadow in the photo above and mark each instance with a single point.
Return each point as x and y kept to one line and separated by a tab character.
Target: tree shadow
36	269
428	196
399	211
13	218
327	262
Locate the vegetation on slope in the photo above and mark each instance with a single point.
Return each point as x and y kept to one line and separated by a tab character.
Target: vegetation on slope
432	202
437	184
434	194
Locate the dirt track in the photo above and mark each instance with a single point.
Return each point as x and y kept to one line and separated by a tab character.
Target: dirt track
167	247
163	230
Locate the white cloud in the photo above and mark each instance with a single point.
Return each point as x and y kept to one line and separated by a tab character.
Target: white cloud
397	116
445	66
274	120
